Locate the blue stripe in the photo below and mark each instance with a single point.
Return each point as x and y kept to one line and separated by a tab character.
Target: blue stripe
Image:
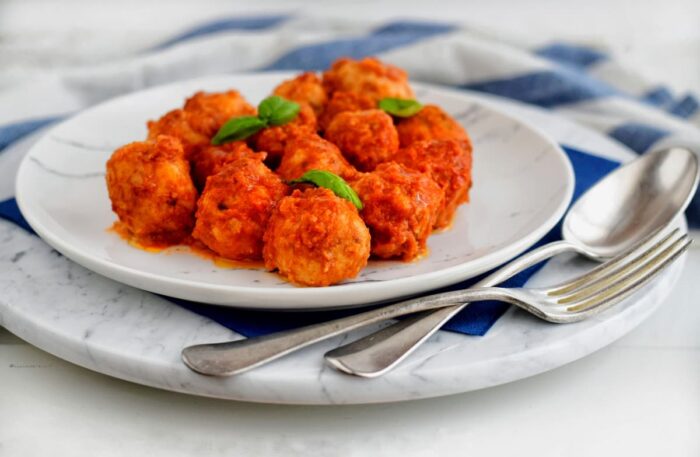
686	107
426	29
636	136
547	88
223	25
568	54
10	211
320	56
659	96
9	133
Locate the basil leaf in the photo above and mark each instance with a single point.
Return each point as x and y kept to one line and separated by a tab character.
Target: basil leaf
273	110
238	128
276	110
333	182
400	107
269	106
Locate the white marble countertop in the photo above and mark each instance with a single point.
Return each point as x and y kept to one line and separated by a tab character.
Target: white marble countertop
639	396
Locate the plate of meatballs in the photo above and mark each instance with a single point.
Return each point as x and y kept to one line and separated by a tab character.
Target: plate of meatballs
294	190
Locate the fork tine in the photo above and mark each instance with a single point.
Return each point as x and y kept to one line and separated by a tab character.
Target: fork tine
633	282
624	265
603	270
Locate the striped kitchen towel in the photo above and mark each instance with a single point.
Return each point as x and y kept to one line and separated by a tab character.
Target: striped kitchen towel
578	82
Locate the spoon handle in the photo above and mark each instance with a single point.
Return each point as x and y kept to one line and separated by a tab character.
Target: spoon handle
379	352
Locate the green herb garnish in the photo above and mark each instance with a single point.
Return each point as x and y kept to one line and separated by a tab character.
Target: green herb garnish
238	128
335	183
277	111
273	110
400	107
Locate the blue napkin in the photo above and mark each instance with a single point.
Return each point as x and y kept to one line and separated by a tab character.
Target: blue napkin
476	319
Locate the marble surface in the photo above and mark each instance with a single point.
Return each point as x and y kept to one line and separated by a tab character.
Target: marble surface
130	334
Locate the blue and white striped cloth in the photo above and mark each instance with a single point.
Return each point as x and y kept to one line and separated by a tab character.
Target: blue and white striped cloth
579	82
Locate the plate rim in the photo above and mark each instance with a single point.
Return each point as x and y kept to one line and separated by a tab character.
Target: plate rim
291	298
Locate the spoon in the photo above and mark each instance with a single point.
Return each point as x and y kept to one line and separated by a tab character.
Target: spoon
626	206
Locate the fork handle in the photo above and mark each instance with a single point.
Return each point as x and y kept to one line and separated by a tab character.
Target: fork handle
381	351
233	357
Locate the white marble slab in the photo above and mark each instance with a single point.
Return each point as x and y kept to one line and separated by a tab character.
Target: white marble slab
123	332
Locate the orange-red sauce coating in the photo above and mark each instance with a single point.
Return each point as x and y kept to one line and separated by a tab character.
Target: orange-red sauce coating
305	88
315	238
431	123
368	76
341	102
200	118
151	190
234	208
311	152
449	164
274	139
189	245
400	208
367	138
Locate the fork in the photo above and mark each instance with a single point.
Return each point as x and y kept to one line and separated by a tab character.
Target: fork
571	301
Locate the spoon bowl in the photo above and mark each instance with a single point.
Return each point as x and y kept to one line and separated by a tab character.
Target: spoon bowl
632	202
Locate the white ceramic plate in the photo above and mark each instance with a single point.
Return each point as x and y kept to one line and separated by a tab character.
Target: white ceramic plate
523	183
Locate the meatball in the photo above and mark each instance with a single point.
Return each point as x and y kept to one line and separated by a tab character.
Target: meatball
273	140
234	208
306	89
450	166
200	118
151	190
315	238
368	76
176	124
341	102
400	209
431	123
311	152
208	160
209	111
367	138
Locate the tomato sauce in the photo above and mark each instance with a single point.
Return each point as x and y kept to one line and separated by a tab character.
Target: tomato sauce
190	245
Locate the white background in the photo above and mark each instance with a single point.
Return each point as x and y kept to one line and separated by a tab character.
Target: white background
639	396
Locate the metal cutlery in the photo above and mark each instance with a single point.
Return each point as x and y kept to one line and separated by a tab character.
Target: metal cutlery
624	207
571	301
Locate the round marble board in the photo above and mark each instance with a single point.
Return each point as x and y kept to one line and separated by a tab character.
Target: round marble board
131	334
